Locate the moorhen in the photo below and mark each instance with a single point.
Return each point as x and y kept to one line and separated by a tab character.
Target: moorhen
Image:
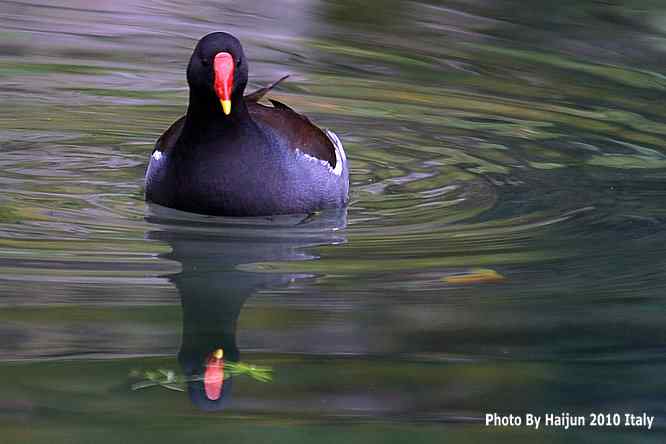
232	156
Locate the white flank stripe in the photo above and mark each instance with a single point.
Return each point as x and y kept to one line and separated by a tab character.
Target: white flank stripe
340	156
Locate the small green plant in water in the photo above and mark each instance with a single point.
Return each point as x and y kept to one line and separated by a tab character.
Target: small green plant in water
160	377
261	374
171	380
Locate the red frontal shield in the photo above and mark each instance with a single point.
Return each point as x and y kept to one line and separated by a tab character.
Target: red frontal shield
224	79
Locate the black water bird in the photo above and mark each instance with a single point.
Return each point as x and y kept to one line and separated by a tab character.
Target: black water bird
232	156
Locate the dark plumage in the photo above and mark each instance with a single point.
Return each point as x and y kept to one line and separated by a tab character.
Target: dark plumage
257	160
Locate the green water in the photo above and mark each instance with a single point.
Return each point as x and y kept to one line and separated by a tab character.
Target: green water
503	250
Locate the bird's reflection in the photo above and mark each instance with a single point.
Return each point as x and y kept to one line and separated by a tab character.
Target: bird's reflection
213	289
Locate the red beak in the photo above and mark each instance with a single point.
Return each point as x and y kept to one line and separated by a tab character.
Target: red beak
224	79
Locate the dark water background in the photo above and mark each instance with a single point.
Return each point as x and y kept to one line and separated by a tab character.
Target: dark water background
525	139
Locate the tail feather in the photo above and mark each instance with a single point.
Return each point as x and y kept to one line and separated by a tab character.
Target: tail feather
260	93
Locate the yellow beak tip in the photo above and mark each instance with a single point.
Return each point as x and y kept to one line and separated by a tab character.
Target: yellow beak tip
226	106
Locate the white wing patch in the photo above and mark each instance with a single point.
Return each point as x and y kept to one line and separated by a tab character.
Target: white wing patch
340	156
155	164
313	158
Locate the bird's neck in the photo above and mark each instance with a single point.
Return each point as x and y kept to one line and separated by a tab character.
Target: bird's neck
205	117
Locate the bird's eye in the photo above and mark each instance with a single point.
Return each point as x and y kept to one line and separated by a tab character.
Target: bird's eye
205	61
238	63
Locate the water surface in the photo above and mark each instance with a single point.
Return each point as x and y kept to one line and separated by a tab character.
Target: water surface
503	250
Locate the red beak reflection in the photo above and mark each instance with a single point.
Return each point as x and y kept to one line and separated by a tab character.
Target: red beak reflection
214	375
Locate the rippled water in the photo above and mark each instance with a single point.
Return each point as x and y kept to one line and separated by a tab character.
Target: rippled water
503	250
